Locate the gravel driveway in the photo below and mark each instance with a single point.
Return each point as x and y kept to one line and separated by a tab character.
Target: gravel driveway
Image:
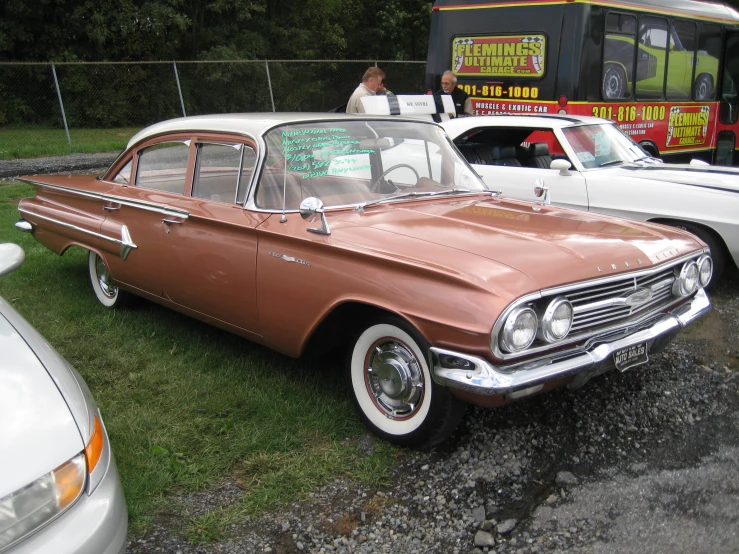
643	461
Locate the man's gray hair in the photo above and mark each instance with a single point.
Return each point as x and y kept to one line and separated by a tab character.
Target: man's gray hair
450	72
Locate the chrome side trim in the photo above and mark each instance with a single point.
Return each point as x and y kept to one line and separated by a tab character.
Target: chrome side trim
486	379
125	241
148	206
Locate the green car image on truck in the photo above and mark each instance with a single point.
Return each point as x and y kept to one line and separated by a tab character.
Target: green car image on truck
653	57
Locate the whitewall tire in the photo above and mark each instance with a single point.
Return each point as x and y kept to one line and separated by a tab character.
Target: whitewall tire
106	291
392	387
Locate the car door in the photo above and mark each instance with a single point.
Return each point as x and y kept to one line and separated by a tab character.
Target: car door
208	259
518	177
518	182
148	185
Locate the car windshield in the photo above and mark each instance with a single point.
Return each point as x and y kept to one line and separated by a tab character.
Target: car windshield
602	145
358	161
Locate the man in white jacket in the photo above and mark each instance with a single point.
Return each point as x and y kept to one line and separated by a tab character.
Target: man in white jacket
371	81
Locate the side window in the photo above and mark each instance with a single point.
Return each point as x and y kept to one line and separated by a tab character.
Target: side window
424	157
650	58
163	167
680	60
124	175
618	56
729	106
539	149
218	171
706	62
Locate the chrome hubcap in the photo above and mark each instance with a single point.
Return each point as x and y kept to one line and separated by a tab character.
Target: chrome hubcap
394	378
106	285
613	88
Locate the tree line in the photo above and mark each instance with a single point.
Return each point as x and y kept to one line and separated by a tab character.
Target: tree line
146	30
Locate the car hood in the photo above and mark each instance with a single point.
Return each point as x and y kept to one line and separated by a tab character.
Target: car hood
38	431
550	245
710	177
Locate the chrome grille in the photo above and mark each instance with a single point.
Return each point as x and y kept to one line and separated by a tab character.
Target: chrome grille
601	305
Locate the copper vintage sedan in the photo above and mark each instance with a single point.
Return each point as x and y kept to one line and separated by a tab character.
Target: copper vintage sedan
374	233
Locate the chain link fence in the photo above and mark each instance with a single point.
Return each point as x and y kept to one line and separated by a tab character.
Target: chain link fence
105	95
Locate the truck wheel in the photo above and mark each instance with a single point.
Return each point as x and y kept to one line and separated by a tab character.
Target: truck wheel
614	83
107	292
703	87
392	387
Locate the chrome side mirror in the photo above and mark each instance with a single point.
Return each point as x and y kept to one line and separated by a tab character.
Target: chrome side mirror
563	166
313	207
11	257
542	191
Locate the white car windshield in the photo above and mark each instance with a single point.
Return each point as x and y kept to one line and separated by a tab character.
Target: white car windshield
602	145
359	161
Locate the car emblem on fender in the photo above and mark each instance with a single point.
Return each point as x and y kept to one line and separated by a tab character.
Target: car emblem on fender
290	259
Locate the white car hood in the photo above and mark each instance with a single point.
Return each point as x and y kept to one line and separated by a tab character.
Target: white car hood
37	430
711	177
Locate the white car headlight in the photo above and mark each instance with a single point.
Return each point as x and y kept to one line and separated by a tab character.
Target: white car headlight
556	320
705	270
25	510
519	330
687	282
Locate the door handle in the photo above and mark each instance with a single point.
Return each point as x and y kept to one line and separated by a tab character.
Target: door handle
112	208
171	222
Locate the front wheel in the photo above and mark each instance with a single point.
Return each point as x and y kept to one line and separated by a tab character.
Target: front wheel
393	390
107	293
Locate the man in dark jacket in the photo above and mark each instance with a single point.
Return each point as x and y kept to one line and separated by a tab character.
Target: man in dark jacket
462	102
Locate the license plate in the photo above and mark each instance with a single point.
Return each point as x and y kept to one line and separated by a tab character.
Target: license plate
630	356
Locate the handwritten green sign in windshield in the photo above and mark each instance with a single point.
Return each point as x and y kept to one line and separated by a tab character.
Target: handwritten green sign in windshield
310	151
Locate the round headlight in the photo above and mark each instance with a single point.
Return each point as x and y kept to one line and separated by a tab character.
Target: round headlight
519	330
687	281
556	321
705	270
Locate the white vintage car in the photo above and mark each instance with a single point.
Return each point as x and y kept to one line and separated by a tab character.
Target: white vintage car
589	163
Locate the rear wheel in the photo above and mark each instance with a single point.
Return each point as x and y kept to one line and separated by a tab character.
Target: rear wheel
718	250
614	83
703	87
650	148
107	292
392	387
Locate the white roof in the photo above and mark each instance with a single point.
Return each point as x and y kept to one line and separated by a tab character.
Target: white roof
250	124
459	125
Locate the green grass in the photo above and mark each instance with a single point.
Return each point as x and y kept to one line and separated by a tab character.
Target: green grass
186	404
34	142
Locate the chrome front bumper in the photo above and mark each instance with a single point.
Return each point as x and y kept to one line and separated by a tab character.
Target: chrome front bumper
477	376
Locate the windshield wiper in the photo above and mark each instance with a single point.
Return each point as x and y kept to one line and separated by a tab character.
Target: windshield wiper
611	162
649	159
412	194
